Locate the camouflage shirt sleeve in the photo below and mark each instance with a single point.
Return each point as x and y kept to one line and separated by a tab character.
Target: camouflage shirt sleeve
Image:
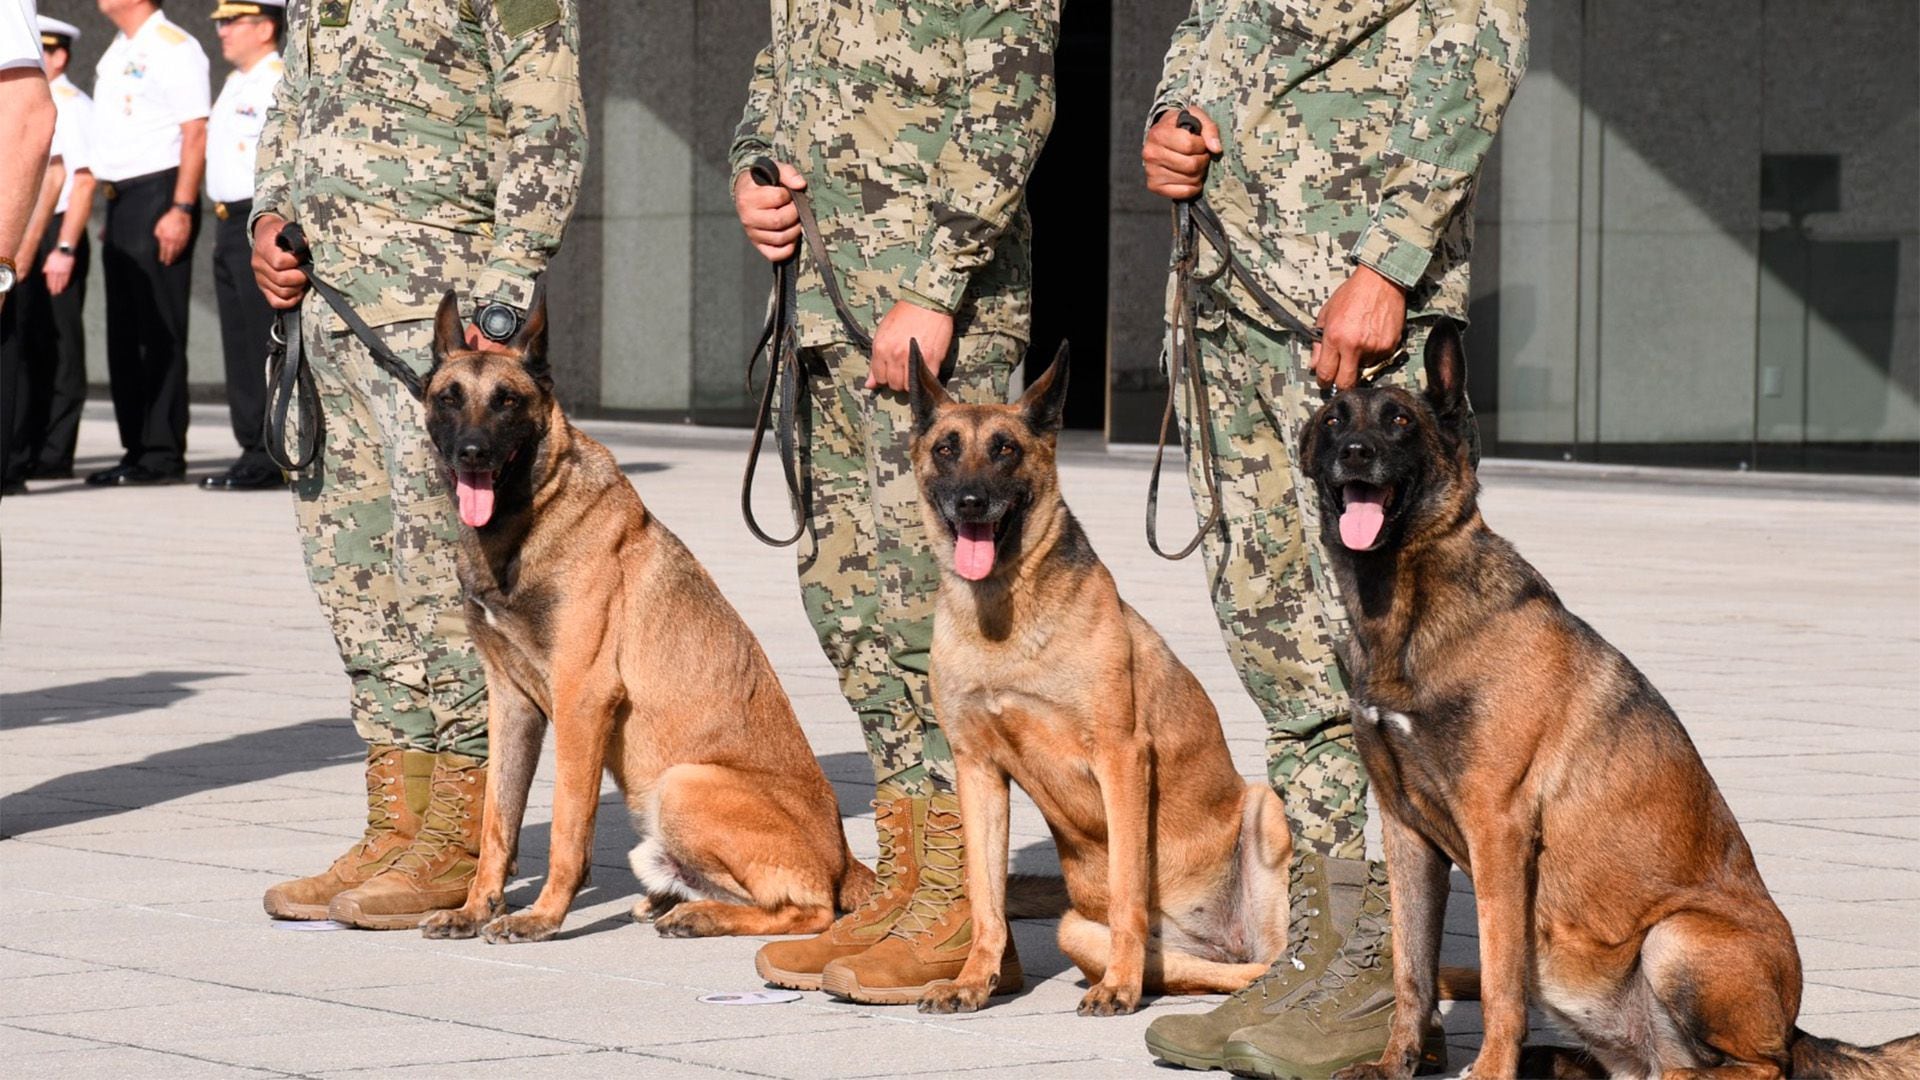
754	137
273	156
995	135
533	49
1459	89
1176	72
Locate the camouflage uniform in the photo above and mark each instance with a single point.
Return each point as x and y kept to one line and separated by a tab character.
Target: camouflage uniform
422	147
916	124
1353	131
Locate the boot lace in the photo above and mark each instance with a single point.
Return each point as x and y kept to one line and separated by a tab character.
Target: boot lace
381	818
441	827
1300	911
1366	948
942	876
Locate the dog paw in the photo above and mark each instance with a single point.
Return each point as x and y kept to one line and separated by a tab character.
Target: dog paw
952	997
450	924
686	921
513	929
1104	1000
1370	1070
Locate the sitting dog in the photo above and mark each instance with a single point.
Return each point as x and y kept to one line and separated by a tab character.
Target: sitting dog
1504	735
588	613
1175	866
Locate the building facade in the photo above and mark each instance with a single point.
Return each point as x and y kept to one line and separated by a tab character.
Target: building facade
1699	233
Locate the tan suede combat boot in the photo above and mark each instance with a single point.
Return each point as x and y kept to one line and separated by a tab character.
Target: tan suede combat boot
435	870
797	964
396	798
929	942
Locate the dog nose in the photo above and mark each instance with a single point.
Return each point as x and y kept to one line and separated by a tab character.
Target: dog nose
1356	453
972	501
472	454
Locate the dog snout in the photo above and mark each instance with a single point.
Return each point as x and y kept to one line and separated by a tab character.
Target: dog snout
970	503
1356	453
472	454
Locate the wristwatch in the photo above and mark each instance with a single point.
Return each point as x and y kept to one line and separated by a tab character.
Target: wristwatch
63	248
186	207
9	274
498	322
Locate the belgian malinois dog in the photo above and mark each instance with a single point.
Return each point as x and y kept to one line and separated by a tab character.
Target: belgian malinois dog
1175	866
1504	735
590	615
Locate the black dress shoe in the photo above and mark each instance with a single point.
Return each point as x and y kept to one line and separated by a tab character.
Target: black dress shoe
245	477
141	476
12	487
107	477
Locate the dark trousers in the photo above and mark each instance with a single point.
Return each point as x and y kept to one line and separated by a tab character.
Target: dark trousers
147	324
246	323
49	343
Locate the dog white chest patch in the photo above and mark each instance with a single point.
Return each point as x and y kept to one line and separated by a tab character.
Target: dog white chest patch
1376	716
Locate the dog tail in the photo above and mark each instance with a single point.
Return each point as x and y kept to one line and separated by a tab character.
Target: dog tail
856	885
1459	984
1036	896
1830	1059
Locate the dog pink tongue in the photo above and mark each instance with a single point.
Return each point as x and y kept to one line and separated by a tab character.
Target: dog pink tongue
1361	521
475	490
973	549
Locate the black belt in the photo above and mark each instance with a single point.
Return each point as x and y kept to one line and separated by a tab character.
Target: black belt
786	374
113	189
287	371
1194	220
238	208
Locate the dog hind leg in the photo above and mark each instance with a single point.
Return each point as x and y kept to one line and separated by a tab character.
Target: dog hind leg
1724	985
1168	971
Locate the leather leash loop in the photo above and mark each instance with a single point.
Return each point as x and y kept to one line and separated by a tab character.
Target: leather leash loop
1193	221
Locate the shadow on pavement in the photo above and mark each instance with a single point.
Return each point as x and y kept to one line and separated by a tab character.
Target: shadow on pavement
171	774
98	699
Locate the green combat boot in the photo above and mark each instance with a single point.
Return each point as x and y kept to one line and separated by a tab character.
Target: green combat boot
1323	898
1345	1018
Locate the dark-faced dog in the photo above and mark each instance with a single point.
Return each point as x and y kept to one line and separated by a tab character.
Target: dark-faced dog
1176	867
590	615
1504	735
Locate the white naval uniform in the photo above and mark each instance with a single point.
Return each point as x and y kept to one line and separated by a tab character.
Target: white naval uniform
233	129
146	86
71	133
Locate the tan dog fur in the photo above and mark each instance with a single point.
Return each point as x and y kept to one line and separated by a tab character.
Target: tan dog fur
590	614
1176	867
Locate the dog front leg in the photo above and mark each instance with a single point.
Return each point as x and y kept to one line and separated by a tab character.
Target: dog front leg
582	723
1417	878
1502	854
515	728
983	822
1125	776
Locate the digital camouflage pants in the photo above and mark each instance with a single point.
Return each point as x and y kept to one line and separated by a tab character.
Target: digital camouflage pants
867	570
378	528
1273	592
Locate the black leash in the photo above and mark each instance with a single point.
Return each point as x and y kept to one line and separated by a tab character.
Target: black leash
1194	220
288	375
786	373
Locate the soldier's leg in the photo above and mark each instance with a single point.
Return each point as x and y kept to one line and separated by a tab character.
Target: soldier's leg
1270	590
905	569
838	583
439	665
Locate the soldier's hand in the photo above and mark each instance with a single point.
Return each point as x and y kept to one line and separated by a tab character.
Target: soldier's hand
57	272
1176	161
1360	326
172	231
768	213
277	272
902	326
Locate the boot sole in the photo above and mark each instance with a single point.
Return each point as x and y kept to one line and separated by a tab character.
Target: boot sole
1245	1059
295	912
845	984
791	980
1181	1056
349	912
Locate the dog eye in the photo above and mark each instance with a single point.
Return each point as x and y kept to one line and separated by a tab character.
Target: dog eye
1333	421
1402	420
1005	451
449	399
943	450
506	401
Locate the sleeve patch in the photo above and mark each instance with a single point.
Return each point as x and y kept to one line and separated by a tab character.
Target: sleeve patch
518	17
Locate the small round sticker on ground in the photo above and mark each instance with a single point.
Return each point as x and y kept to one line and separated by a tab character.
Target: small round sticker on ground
752	997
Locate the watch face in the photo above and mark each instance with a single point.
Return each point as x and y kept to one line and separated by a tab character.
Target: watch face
498	321
6	278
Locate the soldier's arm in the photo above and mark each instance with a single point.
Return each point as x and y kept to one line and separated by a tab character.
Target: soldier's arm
1459	90
533	47
273	156
1176	71
754	136
995	137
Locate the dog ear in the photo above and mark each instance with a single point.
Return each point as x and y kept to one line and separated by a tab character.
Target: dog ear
448	335
531	339
1045	402
1447	373
925	395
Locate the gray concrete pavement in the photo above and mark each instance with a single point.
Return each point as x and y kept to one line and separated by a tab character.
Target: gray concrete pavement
172	741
